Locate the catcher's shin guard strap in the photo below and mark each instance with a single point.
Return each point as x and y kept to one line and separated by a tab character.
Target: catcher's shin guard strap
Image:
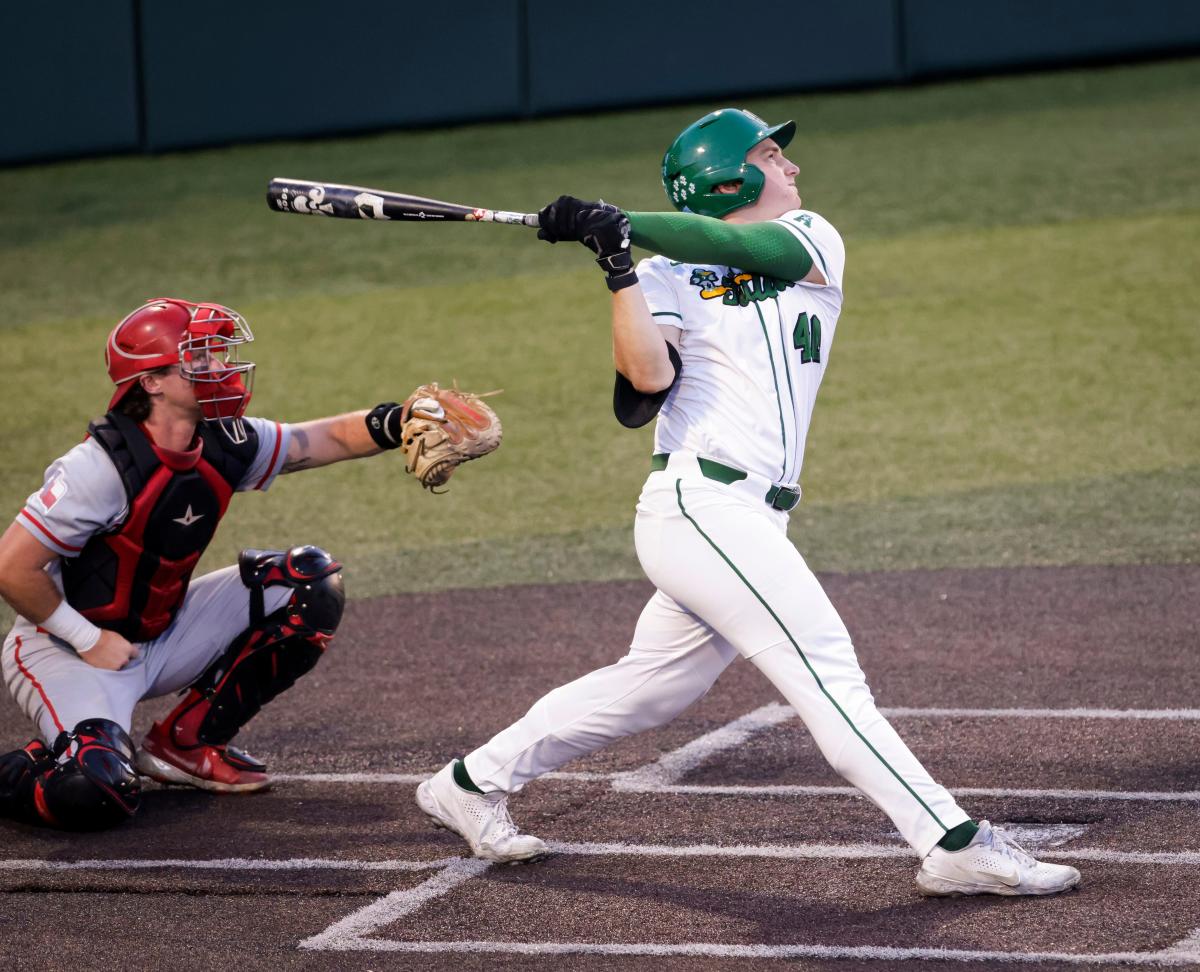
383	423
262	662
319	598
262	669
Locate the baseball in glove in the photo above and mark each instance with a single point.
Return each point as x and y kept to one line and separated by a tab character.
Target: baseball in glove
441	428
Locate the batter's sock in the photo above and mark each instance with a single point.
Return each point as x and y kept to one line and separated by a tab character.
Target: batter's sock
463	778
958	837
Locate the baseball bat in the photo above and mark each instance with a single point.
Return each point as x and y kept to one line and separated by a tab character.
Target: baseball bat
311	198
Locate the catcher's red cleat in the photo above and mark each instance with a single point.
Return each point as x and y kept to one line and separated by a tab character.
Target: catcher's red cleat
221	769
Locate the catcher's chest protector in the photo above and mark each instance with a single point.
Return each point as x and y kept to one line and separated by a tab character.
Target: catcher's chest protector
132	579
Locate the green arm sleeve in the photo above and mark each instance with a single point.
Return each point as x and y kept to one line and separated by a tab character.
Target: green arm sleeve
766	248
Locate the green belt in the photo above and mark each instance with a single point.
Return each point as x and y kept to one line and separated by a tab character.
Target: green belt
778	497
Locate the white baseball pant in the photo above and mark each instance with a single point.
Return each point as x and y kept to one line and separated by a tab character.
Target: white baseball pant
729	581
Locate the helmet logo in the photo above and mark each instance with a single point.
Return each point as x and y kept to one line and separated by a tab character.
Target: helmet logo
681	188
711	152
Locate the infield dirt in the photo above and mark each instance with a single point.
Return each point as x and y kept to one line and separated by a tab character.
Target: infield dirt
415	679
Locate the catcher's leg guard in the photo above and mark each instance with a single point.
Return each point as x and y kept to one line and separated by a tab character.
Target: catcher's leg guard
86	783
19	771
191	745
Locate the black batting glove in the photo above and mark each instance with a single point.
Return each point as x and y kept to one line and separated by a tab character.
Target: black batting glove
606	233
559	221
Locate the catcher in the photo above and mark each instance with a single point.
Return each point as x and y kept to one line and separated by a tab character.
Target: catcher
98	566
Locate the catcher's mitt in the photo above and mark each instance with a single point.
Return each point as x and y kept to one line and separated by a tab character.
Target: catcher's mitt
441	428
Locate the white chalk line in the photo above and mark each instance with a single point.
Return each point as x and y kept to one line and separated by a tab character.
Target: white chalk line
633	782
350	933
225	864
862	851
662	776
396	905
784	789
674	766
1165	958
859	851
413	778
1187	947
1171	715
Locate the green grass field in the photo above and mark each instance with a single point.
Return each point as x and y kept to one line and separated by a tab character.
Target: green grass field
1014	379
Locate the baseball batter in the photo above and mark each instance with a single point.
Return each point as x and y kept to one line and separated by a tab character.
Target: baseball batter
725	336
99	560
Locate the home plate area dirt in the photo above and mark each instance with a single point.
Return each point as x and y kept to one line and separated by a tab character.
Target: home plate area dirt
1059	702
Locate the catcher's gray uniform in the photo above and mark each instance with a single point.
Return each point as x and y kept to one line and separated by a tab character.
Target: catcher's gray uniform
83	495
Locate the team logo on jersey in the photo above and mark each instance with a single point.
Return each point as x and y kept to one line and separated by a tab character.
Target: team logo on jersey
54	490
737	288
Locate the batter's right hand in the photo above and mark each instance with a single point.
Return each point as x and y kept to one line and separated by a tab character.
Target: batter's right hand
562	220
111	652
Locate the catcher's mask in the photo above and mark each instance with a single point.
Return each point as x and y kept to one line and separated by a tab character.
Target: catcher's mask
712	151
204	340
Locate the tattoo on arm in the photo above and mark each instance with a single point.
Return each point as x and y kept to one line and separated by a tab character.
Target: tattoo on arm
299	446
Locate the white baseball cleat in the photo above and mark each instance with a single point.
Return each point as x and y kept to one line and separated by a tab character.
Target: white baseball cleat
482	820
991	864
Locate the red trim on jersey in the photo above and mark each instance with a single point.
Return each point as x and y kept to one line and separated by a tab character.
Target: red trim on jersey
274	456
36	684
37	523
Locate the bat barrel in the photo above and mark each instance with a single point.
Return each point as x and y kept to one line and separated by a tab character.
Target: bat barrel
310	198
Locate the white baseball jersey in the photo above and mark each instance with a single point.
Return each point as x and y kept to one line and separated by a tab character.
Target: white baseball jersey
729	580
754	350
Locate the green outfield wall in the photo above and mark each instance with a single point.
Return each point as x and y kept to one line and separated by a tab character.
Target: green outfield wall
84	77
69	79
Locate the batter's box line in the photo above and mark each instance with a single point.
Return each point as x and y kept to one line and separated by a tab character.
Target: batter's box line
632	782
861	851
663	775
350	934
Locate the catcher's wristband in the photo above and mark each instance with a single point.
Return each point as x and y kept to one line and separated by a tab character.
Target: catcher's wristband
383	422
72	627
618	269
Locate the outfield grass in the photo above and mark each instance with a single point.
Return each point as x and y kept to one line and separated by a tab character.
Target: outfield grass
1014	377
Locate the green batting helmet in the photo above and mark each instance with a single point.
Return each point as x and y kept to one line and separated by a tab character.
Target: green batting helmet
712	151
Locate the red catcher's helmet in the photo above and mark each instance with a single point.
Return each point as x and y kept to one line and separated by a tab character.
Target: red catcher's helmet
203	339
